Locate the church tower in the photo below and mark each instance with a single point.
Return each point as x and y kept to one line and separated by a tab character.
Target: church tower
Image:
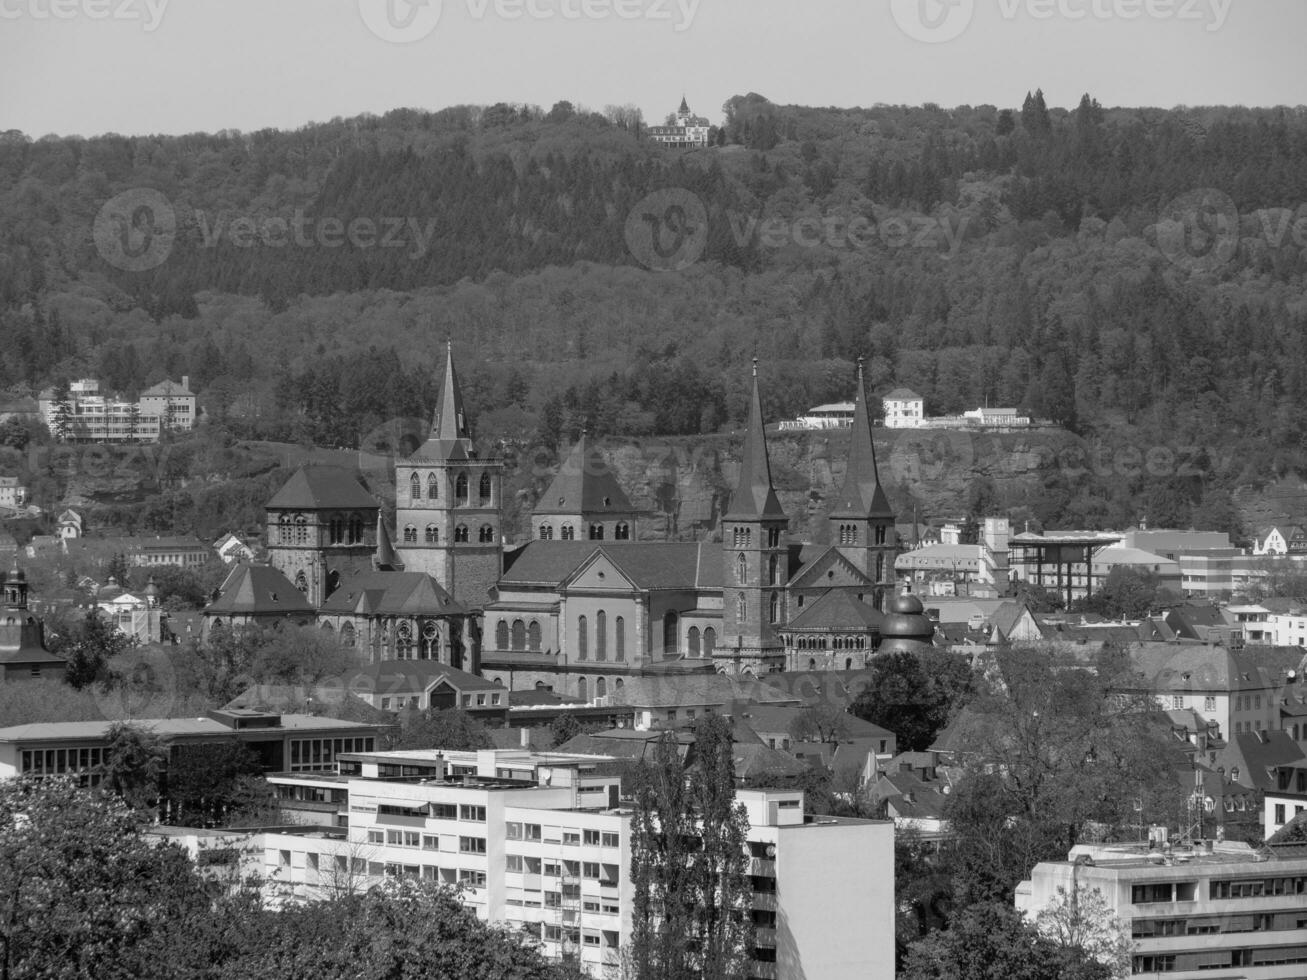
447	504
861	521
756	559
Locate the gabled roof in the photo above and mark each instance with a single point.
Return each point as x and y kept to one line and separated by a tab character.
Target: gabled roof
812	572
585	485
415	677
754	497
1005	618
408	594
320	488
252	590
450	436
649	564
755	762
861	496
837	610
1258	754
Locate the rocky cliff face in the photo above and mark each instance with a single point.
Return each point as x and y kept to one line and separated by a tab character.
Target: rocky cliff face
684	482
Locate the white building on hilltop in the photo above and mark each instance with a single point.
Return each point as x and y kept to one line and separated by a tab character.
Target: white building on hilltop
542	843
688	130
904	409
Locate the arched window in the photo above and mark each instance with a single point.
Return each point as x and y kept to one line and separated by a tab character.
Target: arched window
709	641
622	532
880	567
433	486
546	532
410	534
301	582
775	607
433	534
567	533
533	637
336	529
692	638
881	531
284	534
460	489
487	534
741	569
501	635
601	687
596	532
775	569
618	685
848	663
812	663
347	636
355	528
415	487
741	610
333	581
582	639
671	637
519	635
619	639
460	533
485	488
581	689
601	635
301	529
773	537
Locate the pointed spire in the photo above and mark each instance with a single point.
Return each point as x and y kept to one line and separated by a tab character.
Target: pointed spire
385	559
449	422
862	495
754	496
685	106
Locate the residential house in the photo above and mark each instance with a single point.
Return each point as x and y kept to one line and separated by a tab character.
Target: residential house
904	409
232	549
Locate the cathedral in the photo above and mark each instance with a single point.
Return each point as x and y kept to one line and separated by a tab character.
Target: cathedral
584	605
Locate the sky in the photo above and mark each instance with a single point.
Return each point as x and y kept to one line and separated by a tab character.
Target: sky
85	67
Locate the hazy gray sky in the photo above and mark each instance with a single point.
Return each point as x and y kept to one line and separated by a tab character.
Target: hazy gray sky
173	66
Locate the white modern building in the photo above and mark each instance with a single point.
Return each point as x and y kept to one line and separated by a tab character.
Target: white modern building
904	409
1204	911
100	417
542	843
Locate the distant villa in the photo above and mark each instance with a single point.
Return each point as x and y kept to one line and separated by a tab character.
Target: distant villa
690	130
905	409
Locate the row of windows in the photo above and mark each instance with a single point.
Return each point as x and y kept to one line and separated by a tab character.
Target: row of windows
485	534
600	637
57	762
460	487
773	608
519	636
774	570
1218	959
621	532
340	529
601	687
309	754
571	838
848	534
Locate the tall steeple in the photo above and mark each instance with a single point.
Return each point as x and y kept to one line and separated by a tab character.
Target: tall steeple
450	422
861	496
754	497
755	559
861	520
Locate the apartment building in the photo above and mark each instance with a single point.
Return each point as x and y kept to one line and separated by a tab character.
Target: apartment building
542	843
1213	910
100	417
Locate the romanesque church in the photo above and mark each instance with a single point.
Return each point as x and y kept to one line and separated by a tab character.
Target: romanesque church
584	605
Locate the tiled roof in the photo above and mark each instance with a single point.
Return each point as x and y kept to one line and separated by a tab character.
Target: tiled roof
584	484
414	677
900	394
251	590
408	594
649	564
837	610
1258	754
321	487
811	565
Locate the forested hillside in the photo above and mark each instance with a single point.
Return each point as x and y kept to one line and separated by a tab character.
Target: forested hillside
1136	275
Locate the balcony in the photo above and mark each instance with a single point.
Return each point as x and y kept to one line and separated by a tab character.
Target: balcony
764	867
765	938
764	901
763	971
